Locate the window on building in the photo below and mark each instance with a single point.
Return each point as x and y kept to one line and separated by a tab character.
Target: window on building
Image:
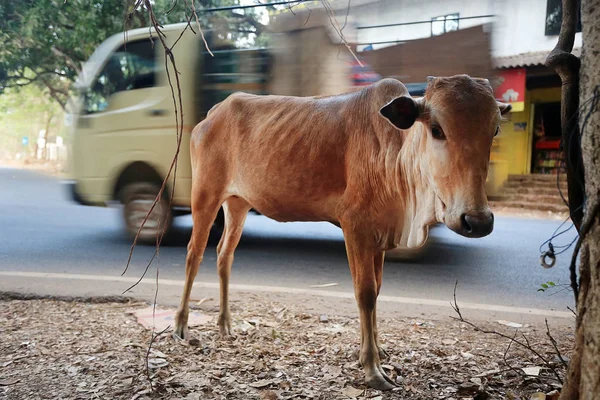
444	23
130	67
554	17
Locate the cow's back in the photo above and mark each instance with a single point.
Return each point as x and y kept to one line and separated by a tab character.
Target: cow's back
287	156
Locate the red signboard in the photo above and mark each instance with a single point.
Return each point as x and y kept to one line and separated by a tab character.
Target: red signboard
511	88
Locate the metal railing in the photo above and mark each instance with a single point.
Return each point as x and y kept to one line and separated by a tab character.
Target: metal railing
431	22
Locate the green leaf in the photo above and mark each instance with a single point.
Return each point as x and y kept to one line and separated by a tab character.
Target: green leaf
551	283
545	286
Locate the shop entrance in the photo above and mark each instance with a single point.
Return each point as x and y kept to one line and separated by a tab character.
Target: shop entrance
547	155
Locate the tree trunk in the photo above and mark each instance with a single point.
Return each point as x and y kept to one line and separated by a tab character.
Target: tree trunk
49	117
583	377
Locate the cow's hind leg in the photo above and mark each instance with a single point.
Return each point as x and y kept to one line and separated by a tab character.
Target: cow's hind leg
236	210
361	256
204	212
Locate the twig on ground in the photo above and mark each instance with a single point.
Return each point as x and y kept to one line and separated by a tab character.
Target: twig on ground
525	344
516	371
154	337
555	345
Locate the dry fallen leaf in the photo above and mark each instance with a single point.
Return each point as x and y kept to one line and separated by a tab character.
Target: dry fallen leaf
476	381
269	395
352	392
9	381
538	396
324	285
332	371
510	323
157	353
244	326
487	373
141	393
154	363
532	371
262	383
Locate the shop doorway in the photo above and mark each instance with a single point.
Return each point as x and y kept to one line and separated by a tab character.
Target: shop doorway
547	155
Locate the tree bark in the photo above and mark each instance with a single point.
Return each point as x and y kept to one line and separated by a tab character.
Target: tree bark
583	377
567	66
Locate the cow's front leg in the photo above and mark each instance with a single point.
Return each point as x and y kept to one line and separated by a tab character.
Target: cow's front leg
378	264
383	354
361	254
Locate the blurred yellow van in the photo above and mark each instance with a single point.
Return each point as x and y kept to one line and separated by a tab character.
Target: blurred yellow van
124	132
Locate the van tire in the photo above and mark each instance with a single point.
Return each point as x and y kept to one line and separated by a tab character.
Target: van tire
137	199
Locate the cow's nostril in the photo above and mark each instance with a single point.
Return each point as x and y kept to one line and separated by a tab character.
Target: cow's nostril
465	224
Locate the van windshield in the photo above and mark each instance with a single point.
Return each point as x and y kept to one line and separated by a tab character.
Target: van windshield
132	66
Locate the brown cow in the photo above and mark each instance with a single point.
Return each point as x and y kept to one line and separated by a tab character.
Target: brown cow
357	160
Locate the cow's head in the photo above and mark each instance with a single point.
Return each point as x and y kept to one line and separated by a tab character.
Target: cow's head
458	118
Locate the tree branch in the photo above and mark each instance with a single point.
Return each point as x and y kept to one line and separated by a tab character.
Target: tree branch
70	60
55	94
249	20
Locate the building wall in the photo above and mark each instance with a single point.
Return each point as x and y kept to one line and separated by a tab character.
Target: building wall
396	11
520	28
462	52
519	25
307	62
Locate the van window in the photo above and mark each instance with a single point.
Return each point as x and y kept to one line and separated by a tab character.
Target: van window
231	70
131	67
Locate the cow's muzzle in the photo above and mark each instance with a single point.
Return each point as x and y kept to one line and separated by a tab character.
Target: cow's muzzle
476	224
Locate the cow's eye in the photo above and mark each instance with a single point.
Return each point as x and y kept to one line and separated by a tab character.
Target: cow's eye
437	133
497	130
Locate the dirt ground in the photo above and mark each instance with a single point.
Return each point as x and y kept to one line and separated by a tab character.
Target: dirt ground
79	350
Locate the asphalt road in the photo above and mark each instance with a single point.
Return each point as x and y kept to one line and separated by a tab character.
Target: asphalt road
42	231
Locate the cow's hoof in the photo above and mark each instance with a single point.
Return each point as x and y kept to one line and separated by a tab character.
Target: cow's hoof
180	333
224	324
225	334
380	381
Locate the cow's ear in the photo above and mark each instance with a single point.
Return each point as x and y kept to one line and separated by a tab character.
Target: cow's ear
402	112
504	107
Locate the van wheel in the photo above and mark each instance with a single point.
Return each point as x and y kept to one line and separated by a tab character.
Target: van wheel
137	199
